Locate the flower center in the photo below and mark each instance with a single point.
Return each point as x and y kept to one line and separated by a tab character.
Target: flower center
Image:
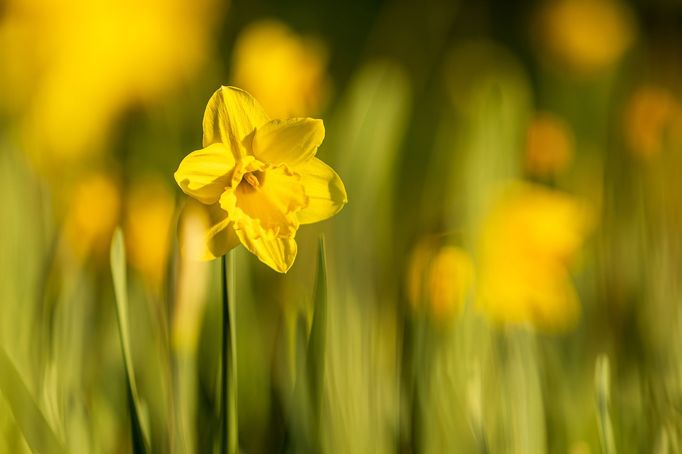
252	180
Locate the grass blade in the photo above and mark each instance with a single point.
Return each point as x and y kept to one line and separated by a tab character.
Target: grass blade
316	343
28	416
603	387
140	436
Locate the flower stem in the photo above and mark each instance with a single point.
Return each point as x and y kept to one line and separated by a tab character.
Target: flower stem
228	407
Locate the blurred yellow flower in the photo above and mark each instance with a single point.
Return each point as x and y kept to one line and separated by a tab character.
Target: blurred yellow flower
284	71
92	215
259	178
549	145
439	277
586	36
149	213
77	65
651	116
526	245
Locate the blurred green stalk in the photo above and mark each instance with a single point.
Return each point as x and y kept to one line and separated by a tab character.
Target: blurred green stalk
140	436
603	387
229	433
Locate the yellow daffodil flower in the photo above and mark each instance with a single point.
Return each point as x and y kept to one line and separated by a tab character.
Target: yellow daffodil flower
259	179
527	244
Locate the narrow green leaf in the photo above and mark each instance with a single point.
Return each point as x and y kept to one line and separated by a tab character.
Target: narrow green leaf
140	434
316	347
28	416
316	343
603	389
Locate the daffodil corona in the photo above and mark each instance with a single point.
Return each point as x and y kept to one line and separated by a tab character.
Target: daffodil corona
258	179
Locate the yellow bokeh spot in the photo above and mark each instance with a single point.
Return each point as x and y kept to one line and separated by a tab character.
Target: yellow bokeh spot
192	278
284	71
92	215
549	145
439	279
149	213
586	36
652	115
78	65
527	243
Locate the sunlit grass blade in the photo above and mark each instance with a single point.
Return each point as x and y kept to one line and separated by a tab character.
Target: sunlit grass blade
603	389
317	343
140	436
28	416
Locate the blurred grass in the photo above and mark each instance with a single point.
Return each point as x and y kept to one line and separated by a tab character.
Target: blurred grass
34	427
139	423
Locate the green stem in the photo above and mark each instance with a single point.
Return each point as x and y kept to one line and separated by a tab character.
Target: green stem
228	390
224	389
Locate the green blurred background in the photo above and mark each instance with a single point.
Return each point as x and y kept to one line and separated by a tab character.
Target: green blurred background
505	278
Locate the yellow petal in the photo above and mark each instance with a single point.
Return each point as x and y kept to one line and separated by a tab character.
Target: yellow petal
217	233
204	174
325	190
290	142
269	199
220	237
231	117
277	253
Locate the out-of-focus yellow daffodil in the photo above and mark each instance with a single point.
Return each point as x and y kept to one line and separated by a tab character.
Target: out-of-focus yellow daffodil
651	116
440	278
586	36
149	213
92	215
77	65
259	178
284	71
527	244
549	145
